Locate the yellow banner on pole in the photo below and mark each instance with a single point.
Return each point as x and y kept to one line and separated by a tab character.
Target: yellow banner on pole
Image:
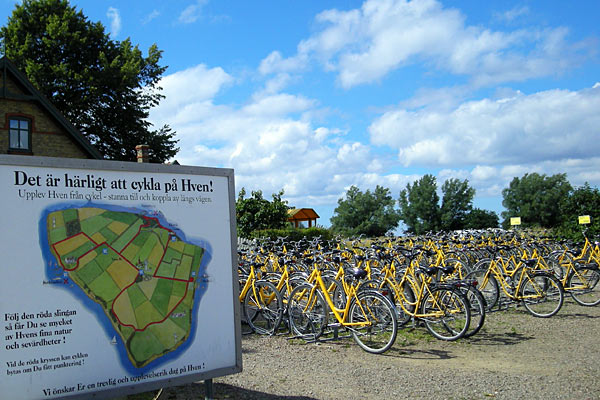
515	221
584	220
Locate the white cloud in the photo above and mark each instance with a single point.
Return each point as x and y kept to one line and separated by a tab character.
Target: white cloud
545	126
115	21
153	15
277	139
190	92
489	181
484	172
271	144
192	12
513	13
275	63
275	84
352	154
278	104
364	45
271	140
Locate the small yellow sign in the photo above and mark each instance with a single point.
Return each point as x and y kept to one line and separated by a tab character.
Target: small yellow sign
515	221
584	220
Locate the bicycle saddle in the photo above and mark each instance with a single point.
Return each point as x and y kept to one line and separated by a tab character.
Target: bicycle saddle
359	273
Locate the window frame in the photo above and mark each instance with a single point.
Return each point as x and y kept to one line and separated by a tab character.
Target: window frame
19	132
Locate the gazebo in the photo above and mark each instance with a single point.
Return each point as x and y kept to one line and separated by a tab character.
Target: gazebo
298	215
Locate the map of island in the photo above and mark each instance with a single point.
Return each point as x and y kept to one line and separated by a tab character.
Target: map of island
142	274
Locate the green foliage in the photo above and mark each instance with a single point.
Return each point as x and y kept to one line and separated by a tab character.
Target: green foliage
584	200
421	212
293	234
457	203
481	219
370	213
104	87
419	208
536	199
257	213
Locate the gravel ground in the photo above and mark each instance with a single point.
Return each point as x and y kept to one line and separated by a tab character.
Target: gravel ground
515	356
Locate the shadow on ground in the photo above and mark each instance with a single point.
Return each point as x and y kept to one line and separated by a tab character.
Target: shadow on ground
221	391
419	354
502	338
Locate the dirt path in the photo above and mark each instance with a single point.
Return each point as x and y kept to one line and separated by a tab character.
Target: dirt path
516	356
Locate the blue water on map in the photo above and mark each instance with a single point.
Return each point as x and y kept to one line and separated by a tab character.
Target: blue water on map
55	273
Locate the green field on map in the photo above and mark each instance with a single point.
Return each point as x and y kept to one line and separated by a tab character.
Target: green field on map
141	273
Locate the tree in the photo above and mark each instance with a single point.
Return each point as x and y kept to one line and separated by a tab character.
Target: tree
481	219
584	200
536	199
370	213
256	213
419	208
457	202
105	88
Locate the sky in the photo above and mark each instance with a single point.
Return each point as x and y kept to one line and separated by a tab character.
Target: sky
315	96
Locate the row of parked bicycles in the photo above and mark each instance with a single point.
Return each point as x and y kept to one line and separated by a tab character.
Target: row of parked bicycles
372	288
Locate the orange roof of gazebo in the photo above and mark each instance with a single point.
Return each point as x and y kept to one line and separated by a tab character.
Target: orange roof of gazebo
302	214
298	215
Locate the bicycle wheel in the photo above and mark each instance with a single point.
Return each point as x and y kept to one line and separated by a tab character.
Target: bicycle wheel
307	312
405	302
478	306
461	256
446	313
335	289
377	311
556	260
402	317
487	285
583	286
263	308
541	293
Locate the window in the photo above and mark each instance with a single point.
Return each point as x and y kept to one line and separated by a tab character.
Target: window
19	134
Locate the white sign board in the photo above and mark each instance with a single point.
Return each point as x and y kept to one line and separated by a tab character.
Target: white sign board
116	277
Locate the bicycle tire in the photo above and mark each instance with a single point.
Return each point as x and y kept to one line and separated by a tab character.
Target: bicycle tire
582	285
461	256
307	314
541	294
372	306
405	303
488	286
482	263
446	313
477	306
338	295
263	308
402	317
555	261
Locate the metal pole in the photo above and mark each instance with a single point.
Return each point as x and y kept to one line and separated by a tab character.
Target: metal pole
208	389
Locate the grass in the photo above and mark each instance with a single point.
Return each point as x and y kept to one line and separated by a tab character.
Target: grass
410	336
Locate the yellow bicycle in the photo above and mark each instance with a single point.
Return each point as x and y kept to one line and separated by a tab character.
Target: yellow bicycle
368	315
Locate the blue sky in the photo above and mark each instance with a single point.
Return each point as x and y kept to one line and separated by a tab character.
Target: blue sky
316	96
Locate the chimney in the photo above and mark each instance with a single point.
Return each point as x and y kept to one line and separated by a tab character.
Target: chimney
143	153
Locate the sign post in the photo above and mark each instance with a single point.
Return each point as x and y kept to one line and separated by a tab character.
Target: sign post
117	277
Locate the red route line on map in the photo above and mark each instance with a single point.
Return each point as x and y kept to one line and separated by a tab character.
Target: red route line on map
187	281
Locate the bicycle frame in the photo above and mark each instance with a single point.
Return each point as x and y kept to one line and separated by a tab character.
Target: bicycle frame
501	273
419	286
